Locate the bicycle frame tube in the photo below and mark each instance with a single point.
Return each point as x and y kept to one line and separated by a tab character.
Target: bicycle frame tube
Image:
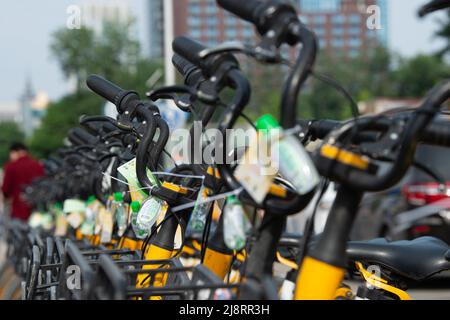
263	253
323	268
218	257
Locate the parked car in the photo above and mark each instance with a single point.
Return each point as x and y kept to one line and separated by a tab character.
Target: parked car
417	206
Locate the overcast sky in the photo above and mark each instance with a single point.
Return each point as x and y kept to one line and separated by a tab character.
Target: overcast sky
26	27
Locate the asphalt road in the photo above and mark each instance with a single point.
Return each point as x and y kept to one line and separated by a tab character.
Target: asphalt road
429	293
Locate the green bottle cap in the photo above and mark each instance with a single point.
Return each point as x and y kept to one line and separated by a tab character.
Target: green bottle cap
91	199
135	206
267	122
59	205
232	200
118	196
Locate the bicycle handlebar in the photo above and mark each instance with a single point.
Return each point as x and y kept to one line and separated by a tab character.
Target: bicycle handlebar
436	133
250	11
183	66
111	92
412	135
189	49
433	6
192	75
267	16
105	88
83	136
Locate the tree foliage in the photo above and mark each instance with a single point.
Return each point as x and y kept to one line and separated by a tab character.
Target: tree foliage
113	54
9	133
416	76
379	73
444	34
73	49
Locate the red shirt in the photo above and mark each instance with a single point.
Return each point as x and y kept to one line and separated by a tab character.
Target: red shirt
18	175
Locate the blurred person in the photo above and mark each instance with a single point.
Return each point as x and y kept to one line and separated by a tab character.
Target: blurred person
19	172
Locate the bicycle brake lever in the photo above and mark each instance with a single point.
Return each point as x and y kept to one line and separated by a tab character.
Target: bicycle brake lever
227	47
183	102
260	53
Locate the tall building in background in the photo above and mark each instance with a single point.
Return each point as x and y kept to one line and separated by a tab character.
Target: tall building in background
206	22
340	25
202	20
33	108
156	28
26	100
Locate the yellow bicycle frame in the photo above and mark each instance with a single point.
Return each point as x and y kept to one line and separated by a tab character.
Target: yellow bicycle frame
317	280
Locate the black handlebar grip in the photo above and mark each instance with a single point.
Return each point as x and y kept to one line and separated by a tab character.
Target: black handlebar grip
188	49
99	127
108	127
192	75
183	66
83	135
437	133
249	10
319	129
433	6
105	88
74	140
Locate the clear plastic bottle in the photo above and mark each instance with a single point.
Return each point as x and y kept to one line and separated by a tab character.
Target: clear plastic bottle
135	208
88	226
120	213
147	216
235	224
198	216
294	162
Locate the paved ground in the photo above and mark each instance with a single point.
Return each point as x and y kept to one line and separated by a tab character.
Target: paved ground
438	291
430	293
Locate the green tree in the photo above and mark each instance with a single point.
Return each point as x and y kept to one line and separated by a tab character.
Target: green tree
74	49
113	54
9	132
267	83
416	76
364	77
62	116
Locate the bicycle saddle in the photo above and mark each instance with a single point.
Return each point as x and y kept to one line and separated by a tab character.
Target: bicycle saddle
416	260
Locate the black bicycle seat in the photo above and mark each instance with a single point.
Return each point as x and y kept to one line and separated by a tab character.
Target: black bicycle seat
416	260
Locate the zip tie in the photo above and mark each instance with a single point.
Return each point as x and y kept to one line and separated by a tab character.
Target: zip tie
132	188
208	199
110	176
151	188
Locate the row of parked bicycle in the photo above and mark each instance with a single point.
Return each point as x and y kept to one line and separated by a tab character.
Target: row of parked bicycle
116	217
